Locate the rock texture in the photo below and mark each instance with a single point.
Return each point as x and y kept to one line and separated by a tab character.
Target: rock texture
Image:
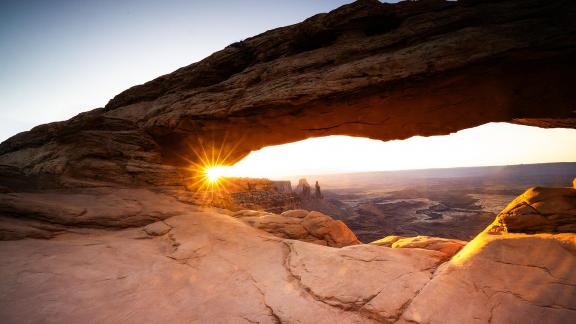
448	247
210	267
241	193
95	207
302	225
69	190
384	71
508	278
541	210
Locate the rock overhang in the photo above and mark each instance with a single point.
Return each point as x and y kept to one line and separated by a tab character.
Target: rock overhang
382	71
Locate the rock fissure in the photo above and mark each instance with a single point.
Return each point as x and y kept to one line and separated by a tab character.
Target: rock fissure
543	268
407	304
521	298
330	301
273	314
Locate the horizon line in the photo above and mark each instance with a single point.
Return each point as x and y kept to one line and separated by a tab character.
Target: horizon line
425	169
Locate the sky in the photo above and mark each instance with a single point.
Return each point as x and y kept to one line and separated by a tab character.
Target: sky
489	144
61	57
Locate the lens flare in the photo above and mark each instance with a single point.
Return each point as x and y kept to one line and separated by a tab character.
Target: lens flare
209	170
214	173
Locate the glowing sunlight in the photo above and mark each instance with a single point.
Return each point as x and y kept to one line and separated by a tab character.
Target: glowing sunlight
213	174
490	144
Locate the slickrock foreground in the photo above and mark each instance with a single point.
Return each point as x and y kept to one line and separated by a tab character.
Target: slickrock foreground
548	210
209	266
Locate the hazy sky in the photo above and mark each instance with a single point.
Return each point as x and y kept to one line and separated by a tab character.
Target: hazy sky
62	57
490	144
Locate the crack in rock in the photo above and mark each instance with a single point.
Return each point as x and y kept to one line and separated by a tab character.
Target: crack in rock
359	306
543	268
521	298
407	304
271	311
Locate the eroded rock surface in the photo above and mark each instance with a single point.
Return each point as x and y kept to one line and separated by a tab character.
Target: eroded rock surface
104	207
384	71
302	225
448	247
210	268
213	268
375	282
541	210
507	278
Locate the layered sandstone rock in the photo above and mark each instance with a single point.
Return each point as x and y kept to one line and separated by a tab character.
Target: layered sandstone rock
384	71
239	193
506	278
98	207
367	69
210	268
541	210
302	225
206	266
448	247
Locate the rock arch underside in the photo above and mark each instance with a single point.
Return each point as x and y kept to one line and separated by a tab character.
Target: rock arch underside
99	224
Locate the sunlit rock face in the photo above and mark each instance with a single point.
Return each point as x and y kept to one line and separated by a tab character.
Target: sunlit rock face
541	210
383	71
302	225
238	193
509	278
207	268
210	266
448	247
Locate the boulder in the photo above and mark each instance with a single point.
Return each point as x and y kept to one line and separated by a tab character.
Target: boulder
502	278
448	247
301	225
298	213
540	210
387	241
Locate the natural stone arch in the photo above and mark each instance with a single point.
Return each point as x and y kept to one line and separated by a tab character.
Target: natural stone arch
383	71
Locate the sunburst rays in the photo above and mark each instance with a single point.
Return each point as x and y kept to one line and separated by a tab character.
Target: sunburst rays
209	167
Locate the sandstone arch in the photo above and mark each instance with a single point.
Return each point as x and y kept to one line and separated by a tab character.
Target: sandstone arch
383	71
367	69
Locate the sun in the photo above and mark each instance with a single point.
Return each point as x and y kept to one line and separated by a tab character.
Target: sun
214	173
